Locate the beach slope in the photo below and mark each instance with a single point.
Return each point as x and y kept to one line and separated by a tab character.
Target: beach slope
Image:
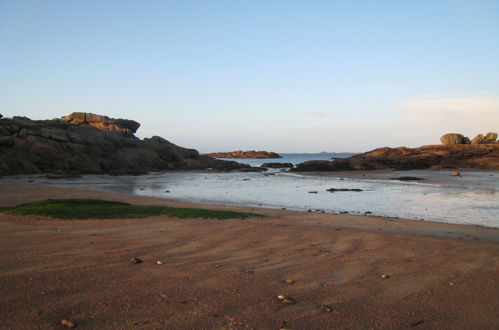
227	273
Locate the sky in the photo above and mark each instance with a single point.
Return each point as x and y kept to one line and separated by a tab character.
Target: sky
284	76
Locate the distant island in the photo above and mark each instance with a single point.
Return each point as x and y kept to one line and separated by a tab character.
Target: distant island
245	154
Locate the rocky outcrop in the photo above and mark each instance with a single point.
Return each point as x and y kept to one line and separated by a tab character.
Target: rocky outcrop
475	156
277	165
490	137
452	138
456	138
245	154
57	146
123	126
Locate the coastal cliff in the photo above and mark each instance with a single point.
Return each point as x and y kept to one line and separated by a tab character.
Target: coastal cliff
473	156
94	144
245	154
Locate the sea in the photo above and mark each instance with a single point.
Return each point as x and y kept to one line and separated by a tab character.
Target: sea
293	158
470	199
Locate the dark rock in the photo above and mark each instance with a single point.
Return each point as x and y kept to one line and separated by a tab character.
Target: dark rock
135	260
21	118
245	154
407	178
56	146
277	165
343	189
252	169
452	138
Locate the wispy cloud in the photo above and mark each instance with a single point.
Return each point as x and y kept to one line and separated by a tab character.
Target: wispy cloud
317	114
473	112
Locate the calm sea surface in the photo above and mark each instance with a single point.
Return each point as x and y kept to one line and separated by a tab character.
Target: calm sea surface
471	199
291	158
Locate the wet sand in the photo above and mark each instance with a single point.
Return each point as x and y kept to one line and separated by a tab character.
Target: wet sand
222	274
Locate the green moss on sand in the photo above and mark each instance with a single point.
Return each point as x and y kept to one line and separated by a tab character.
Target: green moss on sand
101	209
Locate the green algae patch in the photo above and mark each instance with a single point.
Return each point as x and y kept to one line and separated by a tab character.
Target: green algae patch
102	209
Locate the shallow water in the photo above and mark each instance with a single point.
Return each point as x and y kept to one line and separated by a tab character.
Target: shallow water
471	199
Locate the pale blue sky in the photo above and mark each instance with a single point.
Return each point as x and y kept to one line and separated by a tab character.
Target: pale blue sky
286	76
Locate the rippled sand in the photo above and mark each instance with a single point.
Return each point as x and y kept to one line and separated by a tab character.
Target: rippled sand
222	274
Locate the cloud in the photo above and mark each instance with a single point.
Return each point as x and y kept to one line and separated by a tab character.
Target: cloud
472	112
317	114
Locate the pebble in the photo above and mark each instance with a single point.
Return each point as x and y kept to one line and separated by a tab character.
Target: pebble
68	324
281	297
384	276
451	283
135	260
159	262
456	173
326	308
289	281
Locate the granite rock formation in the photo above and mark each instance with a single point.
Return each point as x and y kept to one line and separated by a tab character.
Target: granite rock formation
59	146
123	126
245	154
456	138
475	156
452	138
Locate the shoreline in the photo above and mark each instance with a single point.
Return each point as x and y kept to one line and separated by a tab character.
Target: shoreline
15	195
468	199
227	273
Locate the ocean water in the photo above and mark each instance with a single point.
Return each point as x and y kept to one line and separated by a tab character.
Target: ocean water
294	158
472	199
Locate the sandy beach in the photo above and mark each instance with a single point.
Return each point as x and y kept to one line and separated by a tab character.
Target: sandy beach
223	274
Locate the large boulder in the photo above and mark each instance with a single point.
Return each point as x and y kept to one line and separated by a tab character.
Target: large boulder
490	137
123	126
452	138
478	139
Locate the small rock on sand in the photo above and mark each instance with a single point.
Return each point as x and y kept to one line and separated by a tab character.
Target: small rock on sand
456	173
68	324
135	260
326	308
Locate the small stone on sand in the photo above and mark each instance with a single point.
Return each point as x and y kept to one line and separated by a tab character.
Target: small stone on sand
289	281
384	276
135	260
159	262
326	308
68	324
288	301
